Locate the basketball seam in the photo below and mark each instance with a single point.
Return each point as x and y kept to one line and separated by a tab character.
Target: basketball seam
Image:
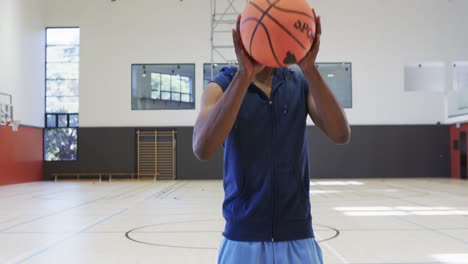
280	25
264	13
252	35
291	11
268	36
249	19
270	43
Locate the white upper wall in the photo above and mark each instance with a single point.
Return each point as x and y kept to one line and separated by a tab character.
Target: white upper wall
22	42
378	36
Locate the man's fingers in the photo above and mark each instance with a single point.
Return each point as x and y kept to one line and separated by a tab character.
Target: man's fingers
316	43
236	41
234	38
239	39
319	25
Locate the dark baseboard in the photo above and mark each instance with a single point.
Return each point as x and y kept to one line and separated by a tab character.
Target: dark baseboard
375	151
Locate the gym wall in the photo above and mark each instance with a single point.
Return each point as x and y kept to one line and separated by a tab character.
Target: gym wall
22	42
115	35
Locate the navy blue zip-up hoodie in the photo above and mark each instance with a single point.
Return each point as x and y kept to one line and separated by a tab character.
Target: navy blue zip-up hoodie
266	164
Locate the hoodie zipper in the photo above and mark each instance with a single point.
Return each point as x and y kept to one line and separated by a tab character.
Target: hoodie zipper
272	119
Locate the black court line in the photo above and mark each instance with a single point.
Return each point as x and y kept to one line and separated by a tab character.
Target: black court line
337	232
47	215
166	194
373	197
178	232
51	214
57	192
150	188
44	196
54	244
131	190
40	189
127	234
451	193
171	214
137	231
405	199
162	191
146	188
433	230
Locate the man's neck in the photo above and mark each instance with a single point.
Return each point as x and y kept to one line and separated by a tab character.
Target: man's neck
264	77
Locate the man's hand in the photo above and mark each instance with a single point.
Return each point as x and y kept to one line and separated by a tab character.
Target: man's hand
248	67
323	107
309	60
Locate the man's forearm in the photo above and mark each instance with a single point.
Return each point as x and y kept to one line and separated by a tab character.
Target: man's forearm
212	128
330	113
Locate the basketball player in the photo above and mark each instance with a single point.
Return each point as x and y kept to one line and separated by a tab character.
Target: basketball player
259	115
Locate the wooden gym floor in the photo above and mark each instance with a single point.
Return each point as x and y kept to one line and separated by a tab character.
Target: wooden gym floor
411	221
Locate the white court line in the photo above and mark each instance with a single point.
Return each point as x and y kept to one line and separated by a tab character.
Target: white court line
333	251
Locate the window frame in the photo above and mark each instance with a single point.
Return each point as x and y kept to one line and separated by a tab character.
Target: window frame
193	88
45	148
46	127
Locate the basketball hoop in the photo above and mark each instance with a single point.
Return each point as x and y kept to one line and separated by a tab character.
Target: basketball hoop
14	125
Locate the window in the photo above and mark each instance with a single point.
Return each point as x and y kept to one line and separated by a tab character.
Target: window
6	108
62	93
174	88
457	99
338	77
61	144
163	86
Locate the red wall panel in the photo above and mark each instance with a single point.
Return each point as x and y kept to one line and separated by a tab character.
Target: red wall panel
455	153
21	155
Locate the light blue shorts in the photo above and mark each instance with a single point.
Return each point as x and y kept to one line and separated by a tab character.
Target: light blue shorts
284	252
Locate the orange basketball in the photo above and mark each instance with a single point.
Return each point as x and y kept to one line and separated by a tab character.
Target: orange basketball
277	33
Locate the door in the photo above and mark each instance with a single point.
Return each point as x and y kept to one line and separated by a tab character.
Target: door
463	157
